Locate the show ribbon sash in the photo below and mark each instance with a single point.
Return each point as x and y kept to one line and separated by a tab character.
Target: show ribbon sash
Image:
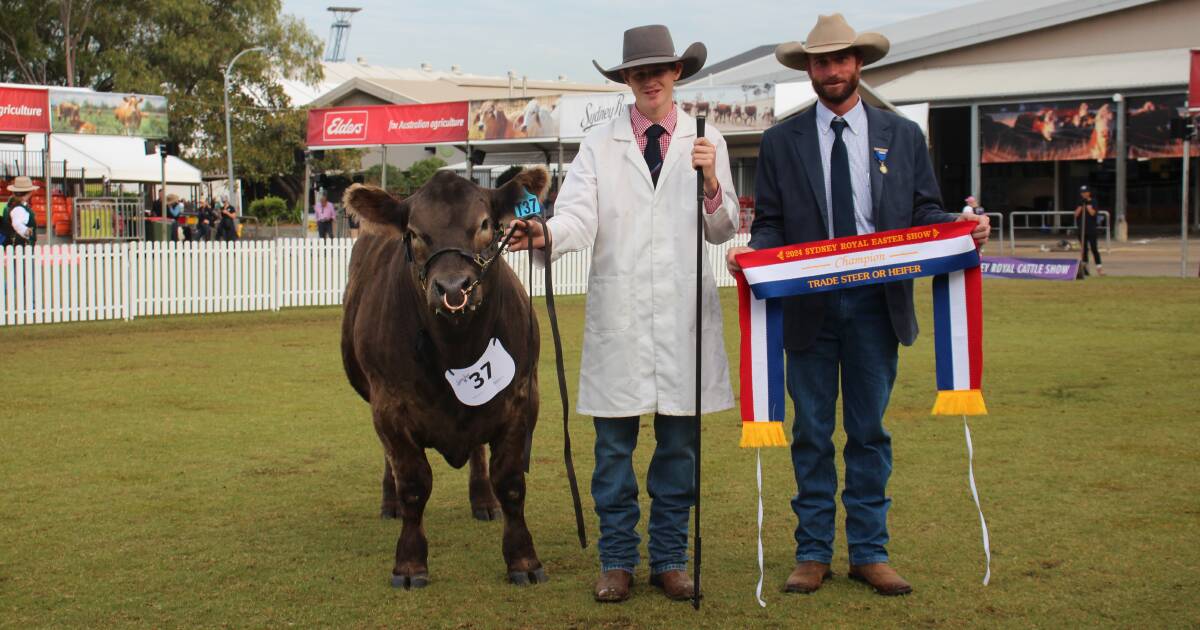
945	251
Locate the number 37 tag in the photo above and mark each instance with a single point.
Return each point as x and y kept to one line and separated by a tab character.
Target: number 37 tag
529	206
479	383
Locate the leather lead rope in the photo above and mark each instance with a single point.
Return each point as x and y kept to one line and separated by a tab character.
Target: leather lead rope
562	385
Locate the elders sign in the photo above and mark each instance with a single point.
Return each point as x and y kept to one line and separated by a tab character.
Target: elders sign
387	124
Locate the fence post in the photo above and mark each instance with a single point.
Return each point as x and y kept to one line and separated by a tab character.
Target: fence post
126	281
275	275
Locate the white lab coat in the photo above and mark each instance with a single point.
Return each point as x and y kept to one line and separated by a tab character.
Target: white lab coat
639	334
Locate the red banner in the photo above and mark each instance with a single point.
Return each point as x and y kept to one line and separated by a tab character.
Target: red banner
1194	85
387	124
24	110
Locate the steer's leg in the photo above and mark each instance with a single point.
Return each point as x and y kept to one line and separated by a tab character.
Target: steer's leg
389	507
508	480
484	505
414	482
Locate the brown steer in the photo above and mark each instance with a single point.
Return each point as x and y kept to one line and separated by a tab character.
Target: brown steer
422	302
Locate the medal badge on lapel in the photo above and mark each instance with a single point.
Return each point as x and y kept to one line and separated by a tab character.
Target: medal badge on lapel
881	155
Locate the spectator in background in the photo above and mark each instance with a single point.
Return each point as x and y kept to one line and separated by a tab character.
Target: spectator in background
206	218
325	215
175	213
20	227
972	206
1085	218
227	225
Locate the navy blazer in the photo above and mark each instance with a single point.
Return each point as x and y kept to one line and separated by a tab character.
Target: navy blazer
789	206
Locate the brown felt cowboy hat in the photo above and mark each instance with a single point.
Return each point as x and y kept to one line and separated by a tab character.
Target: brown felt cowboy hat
22	184
650	45
832	34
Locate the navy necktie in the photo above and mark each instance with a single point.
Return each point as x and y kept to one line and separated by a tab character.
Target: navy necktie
653	152
839	184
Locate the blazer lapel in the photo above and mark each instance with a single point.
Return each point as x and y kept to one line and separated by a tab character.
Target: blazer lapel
623	132
685	130
809	154
880	136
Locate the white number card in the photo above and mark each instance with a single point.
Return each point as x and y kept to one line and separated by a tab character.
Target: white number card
481	382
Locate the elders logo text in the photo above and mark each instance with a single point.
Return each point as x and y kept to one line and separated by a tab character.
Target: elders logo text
346	125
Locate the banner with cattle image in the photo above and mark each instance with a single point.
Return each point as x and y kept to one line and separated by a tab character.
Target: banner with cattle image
108	114
730	108
1149	126
513	118
1046	132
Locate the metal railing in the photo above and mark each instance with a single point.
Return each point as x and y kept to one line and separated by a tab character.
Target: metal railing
998	223
108	219
1013	227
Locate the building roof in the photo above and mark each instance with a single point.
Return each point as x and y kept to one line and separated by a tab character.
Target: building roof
1099	74
420	85
118	158
934	33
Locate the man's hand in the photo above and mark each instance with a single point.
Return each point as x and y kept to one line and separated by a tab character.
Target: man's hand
731	258
982	230
704	157
525	232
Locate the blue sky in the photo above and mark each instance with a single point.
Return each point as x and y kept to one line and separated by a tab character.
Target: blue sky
545	39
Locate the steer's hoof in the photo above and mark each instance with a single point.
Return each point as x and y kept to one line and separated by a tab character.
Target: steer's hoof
486	513
407	582
525	578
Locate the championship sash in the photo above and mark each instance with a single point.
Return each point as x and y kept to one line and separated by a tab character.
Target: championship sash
945	251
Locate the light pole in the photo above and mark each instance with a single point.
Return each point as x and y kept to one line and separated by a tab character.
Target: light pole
229	131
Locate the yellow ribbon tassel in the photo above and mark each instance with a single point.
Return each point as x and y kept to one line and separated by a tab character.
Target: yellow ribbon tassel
960	402
760	434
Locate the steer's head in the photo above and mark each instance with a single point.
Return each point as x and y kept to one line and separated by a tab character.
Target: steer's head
450	228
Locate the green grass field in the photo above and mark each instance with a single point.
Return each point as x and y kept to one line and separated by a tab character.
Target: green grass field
218	471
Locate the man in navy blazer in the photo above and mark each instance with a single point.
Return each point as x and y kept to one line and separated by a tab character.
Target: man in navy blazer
843	168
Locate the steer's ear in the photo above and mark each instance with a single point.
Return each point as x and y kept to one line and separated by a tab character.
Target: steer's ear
380	212
535	180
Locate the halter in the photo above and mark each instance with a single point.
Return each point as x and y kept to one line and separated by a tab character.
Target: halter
478	259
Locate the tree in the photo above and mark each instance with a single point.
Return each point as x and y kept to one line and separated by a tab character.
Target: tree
406	181
178	48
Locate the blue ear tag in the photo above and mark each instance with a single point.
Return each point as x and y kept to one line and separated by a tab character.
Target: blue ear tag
529	206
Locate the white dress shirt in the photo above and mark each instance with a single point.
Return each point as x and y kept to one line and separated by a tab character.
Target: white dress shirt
858	149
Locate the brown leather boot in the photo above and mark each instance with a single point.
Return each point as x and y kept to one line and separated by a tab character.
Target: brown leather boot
807	577
882	577
613	586
676	585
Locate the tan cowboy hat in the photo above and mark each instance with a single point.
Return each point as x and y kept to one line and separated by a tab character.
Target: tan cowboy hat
22	184
650	45
832	34
172	198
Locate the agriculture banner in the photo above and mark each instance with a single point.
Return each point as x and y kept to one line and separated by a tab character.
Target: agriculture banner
513	118
387	124
1042	132
24	110
108	113
1029	268
580	113
731	108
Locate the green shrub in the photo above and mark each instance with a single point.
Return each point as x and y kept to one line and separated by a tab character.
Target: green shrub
269	208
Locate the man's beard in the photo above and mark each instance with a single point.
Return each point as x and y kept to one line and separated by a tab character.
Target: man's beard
834	95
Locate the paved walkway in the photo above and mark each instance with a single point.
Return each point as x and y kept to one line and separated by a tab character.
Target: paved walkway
1151	256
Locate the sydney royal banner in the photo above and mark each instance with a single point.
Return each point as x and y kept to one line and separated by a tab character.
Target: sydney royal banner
580	113
24	110
387	124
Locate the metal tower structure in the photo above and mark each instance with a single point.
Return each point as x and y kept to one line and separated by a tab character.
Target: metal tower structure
339	33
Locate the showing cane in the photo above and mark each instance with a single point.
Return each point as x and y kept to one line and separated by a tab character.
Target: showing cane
699	305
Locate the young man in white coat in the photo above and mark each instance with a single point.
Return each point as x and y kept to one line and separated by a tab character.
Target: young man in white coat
630	195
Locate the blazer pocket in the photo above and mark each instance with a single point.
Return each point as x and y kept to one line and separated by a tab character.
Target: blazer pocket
608	304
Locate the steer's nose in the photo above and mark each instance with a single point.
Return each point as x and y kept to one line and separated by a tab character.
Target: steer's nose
452	287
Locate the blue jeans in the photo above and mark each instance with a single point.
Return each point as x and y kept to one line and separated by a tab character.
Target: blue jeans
857	338
669	481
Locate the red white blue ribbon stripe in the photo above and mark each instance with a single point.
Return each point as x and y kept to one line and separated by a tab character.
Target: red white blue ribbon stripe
946	251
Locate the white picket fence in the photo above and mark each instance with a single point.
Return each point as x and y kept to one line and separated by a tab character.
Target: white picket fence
85	282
